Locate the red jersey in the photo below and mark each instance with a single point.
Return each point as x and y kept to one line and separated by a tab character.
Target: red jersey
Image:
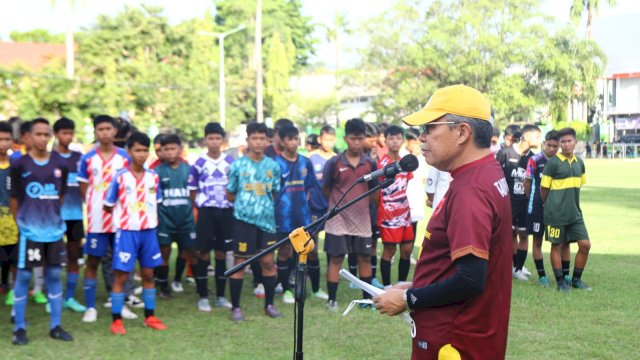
473	218
394	216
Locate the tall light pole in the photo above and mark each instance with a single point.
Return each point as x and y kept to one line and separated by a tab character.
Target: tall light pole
221	95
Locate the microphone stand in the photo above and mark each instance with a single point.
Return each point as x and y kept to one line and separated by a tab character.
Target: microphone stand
303	244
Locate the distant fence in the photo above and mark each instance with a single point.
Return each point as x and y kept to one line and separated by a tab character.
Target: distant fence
614	151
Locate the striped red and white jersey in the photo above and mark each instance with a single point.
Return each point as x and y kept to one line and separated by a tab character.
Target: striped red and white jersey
98	172
135	199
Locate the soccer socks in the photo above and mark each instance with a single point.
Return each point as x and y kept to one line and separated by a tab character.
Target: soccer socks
90	287
72	283
385	271
162	277
283	274
374	265
256	270
221	280
149	299
577	273
20	292
332	288
514	260
181	264
38	280
269	283
352	259
559	275
540	267
366	295
54	290
314	274
403	269
566	267
117	302
235	286
202	278
521	257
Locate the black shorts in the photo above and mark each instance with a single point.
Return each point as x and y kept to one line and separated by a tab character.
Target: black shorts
338	245
519	216
32	254
185	241
214	229
75	230
535	223
248	239
9	253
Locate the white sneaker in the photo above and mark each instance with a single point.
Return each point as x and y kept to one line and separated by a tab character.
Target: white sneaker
413	261
520	276
288	298
222	302
108	303
138	290
135	302
278	289
128	314
137	277
211	271
91	315
526	271
320	294
176	286
203	305
258	291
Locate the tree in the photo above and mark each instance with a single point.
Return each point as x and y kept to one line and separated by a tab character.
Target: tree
37	36
280	59
578	8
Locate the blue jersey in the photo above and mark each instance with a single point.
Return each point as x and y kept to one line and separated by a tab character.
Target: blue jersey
296	180
254	184
5	185
317	201
38	187
534	170
72	207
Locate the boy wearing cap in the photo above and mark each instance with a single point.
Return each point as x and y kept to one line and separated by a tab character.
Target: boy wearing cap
461	285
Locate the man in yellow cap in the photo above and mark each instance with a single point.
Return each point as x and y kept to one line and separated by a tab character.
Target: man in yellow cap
461	291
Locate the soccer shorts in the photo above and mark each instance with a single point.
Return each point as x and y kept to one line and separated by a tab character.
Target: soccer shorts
339	245
563	234
397	235
248	239
75	230
519	216
185	241
97	244
32	254
535	223
130	246
9	253
214	229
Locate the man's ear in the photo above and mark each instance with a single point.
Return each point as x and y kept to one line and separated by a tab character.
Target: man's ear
465	133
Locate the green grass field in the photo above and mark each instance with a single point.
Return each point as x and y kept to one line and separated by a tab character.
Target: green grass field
601	324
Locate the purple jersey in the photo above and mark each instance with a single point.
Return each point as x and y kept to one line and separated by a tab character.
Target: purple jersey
38	186
209	177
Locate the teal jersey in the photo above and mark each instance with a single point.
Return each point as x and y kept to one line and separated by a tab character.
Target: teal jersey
254	184
175	213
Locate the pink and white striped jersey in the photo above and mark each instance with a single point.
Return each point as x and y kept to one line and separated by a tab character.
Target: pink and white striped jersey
135	199
98	173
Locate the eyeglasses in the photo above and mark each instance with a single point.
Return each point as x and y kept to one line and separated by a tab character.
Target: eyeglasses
425	127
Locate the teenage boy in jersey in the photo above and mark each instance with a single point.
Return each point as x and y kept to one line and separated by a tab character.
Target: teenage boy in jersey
8	228
208	179
176	222
253	182
96	171
291	204
535	215
562	179
350	230
135	192
510	158
394	217
64	131
38	185
318	202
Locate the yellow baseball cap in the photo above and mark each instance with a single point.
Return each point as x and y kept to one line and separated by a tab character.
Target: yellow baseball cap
458	100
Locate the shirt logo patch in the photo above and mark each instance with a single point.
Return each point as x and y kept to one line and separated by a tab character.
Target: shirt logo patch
423	345
269	174
57	173
343	169
303	172
26	174
502	187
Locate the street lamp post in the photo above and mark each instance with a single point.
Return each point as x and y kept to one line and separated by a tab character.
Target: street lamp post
221	96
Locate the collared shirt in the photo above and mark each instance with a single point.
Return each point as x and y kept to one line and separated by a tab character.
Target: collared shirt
563	177
473	218
339	174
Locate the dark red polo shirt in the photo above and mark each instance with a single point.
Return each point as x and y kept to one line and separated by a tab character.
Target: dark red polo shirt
474	217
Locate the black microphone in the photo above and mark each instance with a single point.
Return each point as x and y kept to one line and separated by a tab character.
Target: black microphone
408	163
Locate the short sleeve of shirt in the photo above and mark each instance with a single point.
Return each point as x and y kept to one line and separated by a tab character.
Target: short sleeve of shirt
432	180
473	216
310	181
583	177
194	176
374	167
112	191
501	157
275	179
531	168
14	176
548	173
158	189
232	185
83	173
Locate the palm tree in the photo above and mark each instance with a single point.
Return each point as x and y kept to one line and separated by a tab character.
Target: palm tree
578	7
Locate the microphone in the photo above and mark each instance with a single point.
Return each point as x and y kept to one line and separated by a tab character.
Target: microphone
408	163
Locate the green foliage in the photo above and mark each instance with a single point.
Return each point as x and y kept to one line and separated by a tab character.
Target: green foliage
583	129
36	36
280	60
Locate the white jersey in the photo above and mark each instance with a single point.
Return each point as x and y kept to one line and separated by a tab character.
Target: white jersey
438	184
98	172
415	190
136	200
